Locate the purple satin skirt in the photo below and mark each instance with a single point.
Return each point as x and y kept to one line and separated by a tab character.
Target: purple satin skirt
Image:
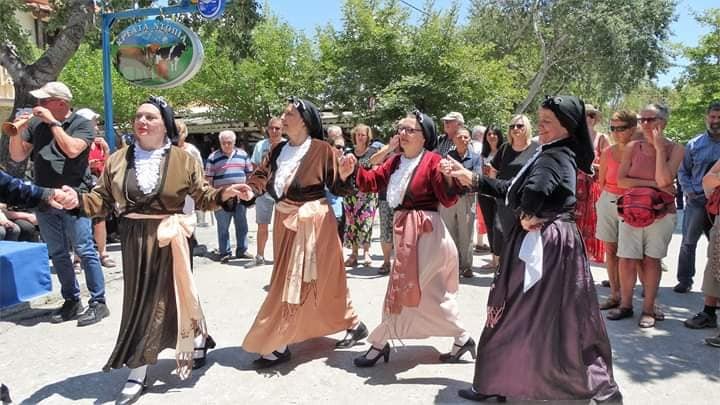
550	342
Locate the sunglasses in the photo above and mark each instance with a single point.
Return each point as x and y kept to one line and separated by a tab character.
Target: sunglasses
408	130
339	147
275	129
646	120
592	115
516	126
619	128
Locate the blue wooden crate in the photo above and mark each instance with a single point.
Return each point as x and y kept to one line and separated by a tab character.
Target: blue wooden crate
24	272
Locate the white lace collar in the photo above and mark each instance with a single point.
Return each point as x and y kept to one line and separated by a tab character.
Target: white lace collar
147	166
400	179
287	164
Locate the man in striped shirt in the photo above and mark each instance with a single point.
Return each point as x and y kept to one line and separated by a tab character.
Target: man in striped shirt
224	167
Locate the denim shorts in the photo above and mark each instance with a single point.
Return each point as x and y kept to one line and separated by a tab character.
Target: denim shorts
264	205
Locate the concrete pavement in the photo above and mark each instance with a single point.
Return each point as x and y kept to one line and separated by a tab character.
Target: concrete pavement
58	364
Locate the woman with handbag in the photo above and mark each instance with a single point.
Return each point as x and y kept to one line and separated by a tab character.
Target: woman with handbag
649	165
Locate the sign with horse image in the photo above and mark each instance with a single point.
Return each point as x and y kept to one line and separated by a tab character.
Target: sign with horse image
158	54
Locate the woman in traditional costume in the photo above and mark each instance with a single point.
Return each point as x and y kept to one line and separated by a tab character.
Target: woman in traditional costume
308	294
544	338
420	299
146	185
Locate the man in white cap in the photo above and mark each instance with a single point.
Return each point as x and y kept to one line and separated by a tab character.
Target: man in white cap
452	122
58	141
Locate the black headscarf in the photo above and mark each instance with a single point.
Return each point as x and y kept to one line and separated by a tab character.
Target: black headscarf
428	129
168	117
310	116
570	111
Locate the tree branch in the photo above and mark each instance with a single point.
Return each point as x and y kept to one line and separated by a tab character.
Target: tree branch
540	75
10	60
51	63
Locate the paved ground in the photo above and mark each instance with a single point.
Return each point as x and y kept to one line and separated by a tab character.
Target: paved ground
46	363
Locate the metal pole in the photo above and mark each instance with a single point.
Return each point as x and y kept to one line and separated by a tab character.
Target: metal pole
107	21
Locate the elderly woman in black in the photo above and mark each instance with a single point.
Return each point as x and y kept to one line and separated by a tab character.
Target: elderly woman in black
544	338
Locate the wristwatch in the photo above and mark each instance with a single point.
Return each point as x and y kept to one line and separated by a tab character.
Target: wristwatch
55	123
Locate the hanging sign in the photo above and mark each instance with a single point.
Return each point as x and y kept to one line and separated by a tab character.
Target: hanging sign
211	9
159	54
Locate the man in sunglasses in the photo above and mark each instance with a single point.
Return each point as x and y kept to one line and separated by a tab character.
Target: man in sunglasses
452	122
58	141
701	153
264	204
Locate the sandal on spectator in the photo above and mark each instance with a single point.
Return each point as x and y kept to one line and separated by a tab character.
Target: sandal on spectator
609	303
384	269
659	314
647	320
107	261
620	313
351	261
488	266
481	248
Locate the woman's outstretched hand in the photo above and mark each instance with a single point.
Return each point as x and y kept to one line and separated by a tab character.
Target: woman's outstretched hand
242	191
452	168
347	166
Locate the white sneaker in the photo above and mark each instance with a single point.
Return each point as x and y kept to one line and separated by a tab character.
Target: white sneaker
259	261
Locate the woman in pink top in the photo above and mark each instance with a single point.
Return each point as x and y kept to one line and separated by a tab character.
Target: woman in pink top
650	162
623	125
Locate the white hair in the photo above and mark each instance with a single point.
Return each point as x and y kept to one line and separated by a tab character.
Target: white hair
88	114
227	135
478	131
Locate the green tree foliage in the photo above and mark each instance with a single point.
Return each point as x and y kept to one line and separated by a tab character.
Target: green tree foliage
701	83
381	65
596	49
283	63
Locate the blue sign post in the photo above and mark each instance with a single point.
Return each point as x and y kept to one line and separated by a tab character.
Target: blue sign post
108	19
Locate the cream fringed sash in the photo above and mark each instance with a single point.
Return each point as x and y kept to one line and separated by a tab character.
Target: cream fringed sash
305	220
174	231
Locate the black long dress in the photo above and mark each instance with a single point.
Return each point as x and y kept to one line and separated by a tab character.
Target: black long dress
149	316
549	342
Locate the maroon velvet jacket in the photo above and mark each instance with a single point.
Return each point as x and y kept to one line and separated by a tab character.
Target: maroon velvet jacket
427	187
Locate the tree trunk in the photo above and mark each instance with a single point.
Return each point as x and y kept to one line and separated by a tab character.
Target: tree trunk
47	68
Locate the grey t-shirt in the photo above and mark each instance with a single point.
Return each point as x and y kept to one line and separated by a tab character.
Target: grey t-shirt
52	167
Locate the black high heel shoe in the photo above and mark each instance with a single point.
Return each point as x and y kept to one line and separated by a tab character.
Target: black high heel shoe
200	361
125	399
472	395
469	346
353	336
364	361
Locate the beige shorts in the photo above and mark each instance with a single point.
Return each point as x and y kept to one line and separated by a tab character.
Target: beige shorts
651	241
608	220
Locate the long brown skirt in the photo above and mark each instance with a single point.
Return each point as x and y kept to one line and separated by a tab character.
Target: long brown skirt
328	312
149	314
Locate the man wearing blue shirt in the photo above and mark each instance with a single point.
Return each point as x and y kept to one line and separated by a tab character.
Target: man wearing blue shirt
700	154
460	218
